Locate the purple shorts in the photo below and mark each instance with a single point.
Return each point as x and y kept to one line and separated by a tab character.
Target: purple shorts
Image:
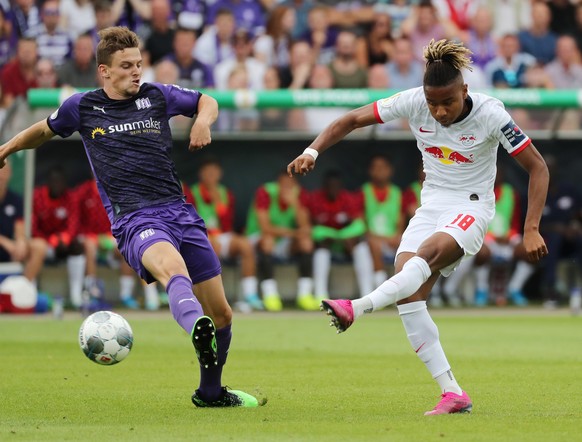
177	223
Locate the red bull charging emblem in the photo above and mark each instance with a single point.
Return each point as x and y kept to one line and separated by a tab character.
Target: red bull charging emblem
448	156
467	139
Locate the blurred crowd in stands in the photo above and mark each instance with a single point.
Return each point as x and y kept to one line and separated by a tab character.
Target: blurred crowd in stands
294	44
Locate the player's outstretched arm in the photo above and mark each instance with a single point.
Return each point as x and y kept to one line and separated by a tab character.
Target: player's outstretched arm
207	114
539	177
36	135
335	132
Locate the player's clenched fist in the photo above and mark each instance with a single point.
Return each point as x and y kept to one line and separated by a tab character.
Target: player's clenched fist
301	165
199	137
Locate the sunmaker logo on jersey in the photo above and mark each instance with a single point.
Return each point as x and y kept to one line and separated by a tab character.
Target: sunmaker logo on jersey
137	127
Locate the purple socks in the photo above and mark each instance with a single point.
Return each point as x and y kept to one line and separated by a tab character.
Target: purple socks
186	310
210	378
184	306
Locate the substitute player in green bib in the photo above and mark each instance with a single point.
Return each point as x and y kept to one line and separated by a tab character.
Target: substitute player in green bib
383	212
278	223
215	204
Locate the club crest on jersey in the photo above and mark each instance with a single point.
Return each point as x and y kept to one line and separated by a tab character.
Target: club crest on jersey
467	139
147	233
143	103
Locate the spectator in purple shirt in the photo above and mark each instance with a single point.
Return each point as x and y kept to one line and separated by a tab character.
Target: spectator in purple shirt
133	14
190	14
480	39
7	39
248	14
320	35
25	16
192	73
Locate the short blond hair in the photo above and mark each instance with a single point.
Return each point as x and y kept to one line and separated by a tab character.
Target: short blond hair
113	39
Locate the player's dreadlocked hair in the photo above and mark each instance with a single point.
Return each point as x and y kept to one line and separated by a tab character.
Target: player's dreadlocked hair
444	61
113	39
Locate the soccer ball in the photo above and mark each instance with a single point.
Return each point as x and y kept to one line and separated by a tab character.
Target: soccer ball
105	338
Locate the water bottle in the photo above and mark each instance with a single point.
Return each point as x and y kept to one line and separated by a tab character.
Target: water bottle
58	307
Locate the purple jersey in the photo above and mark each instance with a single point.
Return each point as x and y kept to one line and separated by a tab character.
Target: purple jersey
190	13
128	143
195	76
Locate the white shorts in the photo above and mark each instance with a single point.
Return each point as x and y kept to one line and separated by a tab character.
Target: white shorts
388	252
503	251
224	239
466	221
282	249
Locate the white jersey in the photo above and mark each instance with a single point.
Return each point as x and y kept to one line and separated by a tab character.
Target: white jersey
459	160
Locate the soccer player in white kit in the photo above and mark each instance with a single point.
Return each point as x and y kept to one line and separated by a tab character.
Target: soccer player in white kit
458	135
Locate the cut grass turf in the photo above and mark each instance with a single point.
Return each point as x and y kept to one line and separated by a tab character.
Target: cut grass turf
523	372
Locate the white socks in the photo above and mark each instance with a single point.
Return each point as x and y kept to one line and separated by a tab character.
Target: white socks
414	273
76	272
423	335
379	277
363	266
249	286
321	266
126	285
304	286
452	283
482	277
269	288
152	299
522	272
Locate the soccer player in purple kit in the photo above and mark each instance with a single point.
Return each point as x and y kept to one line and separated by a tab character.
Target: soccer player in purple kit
126	133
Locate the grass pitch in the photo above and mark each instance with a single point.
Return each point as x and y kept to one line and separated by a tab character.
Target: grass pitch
522	370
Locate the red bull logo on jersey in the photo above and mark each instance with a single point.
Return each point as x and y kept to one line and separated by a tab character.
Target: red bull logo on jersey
448	156
467	139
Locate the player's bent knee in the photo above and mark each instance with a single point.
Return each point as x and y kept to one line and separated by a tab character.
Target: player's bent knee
222	317
38	246
413	298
